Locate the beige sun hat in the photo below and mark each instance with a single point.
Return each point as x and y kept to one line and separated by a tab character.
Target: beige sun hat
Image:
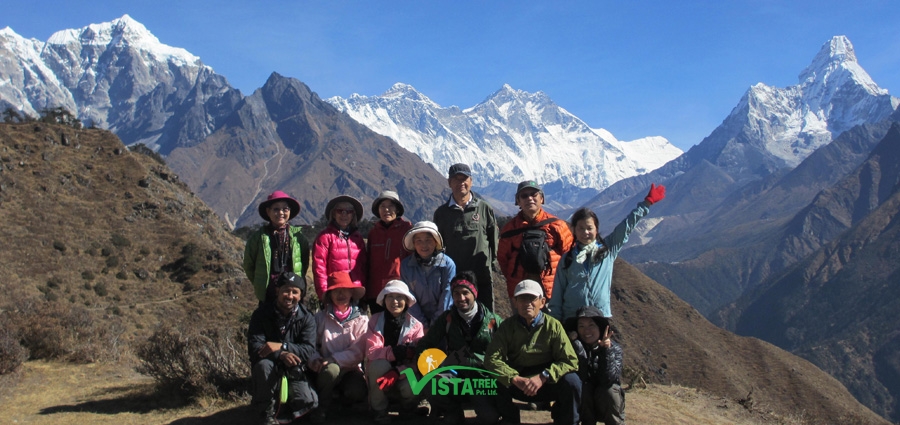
423	227
396	287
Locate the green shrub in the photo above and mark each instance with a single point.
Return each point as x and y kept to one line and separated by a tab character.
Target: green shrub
87	275
54	282
100	289
120	241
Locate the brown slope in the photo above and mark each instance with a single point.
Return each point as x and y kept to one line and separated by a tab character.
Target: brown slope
92	228
283	137
671	343
838	306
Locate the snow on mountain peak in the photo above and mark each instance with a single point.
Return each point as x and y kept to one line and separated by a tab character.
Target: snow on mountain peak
124	31
834	94
405	91
511	136
836	60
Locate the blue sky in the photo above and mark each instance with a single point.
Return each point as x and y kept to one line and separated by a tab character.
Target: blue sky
635	68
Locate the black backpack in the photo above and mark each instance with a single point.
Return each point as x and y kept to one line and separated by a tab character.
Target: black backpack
534	253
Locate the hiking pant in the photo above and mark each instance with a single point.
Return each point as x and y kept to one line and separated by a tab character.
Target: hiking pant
602	404
265	378
484	405
350	382
378	400
565	393
485	287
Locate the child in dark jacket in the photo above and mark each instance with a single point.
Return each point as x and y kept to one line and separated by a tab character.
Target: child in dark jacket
600	368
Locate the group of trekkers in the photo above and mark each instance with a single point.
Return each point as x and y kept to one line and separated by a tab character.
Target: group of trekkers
408	315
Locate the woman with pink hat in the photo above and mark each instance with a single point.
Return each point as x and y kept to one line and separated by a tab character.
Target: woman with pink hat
339	247
341	344
390	348
277	247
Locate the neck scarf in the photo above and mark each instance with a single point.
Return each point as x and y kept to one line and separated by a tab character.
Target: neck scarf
341	315
468	315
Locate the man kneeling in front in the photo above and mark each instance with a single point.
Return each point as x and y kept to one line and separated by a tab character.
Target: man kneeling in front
534	359
281	339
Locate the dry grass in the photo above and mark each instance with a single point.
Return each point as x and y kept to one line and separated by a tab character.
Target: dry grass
112	393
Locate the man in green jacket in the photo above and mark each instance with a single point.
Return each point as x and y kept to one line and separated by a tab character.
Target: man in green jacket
467	224
534	359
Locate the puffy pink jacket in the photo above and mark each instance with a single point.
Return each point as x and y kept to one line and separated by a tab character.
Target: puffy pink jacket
333	253
410	333
344	342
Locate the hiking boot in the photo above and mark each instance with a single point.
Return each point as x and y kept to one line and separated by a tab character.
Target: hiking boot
382	417
317	417
415	412
267	415
269	420
454	417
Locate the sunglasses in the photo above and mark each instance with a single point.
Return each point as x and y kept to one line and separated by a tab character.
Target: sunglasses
344	211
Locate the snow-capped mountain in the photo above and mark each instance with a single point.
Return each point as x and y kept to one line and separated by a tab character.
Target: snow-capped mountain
119	76
511	136
834	94
772	129
767	160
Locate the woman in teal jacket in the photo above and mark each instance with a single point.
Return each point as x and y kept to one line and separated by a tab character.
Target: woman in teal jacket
584	274
277	247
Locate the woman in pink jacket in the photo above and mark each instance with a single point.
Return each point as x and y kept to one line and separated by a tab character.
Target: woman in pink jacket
390	348
341	344
339	247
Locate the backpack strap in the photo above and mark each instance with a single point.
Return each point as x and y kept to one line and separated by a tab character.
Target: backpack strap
542	223
513	232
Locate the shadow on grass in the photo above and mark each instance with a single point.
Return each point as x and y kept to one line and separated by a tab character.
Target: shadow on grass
131	399
234	416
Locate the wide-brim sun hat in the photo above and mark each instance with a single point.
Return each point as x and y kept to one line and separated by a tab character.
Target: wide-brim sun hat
389	195
423	227
338	280
396	287
275	197
357	206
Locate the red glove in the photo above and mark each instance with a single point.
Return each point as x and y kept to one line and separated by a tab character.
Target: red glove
388	380
657	193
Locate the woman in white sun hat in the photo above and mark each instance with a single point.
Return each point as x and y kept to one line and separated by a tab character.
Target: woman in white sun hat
427	272
390	348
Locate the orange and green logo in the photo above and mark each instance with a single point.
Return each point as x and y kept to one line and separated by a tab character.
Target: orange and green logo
444	379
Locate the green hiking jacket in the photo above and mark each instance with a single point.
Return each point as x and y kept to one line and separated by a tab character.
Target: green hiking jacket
258	258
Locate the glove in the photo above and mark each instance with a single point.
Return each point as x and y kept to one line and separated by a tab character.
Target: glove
400	352
657	193
388	380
